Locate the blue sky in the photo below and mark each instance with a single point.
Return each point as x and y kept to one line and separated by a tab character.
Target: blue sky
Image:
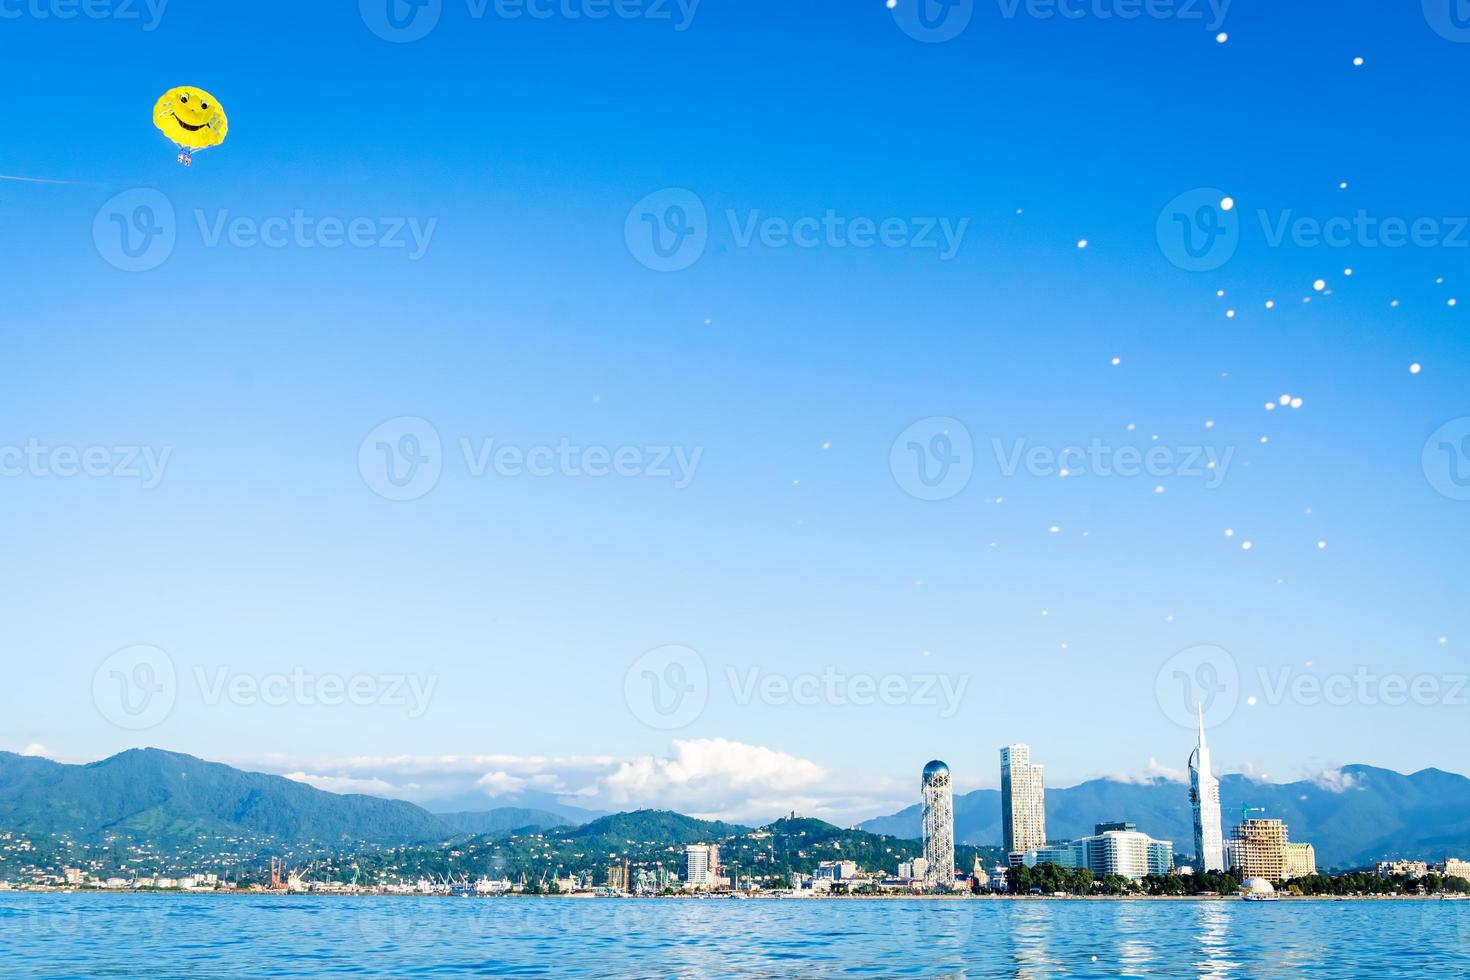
518	149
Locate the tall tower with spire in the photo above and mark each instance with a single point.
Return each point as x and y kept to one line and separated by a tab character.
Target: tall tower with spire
1204	794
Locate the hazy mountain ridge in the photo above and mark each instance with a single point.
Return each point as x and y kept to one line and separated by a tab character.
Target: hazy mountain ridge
169	799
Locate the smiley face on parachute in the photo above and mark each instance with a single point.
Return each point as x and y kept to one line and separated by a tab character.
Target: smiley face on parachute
191	117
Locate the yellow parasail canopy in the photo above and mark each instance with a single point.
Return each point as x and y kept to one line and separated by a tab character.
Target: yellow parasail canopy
191	117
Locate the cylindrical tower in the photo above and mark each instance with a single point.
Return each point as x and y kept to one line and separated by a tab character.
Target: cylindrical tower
938	819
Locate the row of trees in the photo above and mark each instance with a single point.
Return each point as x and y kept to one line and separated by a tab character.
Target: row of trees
1048	879
1367	883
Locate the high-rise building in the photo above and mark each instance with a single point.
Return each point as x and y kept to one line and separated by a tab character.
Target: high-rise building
937	815
1204	795
1022	800
700	870
1258	849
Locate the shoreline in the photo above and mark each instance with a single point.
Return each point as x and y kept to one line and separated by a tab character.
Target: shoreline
579	897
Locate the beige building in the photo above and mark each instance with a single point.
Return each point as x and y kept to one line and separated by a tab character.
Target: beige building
1259	848
1301	860
1455	868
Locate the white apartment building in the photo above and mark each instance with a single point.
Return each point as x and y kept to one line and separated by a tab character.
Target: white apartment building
1022	800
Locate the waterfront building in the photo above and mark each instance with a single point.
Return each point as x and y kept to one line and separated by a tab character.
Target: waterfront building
699	871
1204	796
1115	849
1063	855
937	819
836	870
1259	848
1413	869
1455	868
1120	849
1301	860
1022	800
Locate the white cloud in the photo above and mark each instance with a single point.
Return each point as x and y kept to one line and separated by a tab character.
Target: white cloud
37	750
710	778
345	784
1333	780
1155	772
716	777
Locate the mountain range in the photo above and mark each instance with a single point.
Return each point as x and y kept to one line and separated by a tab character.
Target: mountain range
165	802
169	800
1359	815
